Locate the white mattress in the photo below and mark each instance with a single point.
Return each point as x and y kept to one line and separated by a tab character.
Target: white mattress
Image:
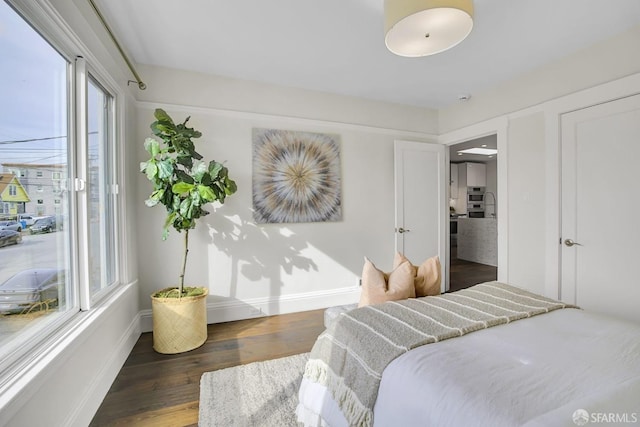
537	371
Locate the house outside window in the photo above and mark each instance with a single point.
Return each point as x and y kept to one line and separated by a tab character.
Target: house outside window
39	174
12	190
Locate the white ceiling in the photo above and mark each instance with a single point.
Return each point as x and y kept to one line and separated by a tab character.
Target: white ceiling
338	46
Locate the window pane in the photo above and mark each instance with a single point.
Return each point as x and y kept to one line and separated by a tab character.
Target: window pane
34	245
102	257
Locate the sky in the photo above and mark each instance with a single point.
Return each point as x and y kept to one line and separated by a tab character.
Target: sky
33	94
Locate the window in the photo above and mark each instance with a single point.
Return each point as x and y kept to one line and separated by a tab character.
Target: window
101	196
12	190
34	108
74	263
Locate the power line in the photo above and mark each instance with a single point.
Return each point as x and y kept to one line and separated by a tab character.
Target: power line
19	141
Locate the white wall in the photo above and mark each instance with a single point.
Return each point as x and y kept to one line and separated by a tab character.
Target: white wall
527	207
254	269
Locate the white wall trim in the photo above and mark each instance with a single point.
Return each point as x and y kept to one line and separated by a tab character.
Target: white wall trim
230	310
293	120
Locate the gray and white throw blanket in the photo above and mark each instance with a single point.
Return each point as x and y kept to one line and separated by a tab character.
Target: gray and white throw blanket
349	357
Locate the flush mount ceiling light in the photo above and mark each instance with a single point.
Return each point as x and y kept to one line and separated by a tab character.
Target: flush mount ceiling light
425	27
481	151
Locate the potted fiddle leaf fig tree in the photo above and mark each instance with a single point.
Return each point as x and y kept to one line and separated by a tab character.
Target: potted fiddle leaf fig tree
184	184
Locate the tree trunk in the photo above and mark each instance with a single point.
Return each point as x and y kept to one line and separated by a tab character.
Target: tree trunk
184	262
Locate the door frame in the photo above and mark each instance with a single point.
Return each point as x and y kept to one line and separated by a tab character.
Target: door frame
498	127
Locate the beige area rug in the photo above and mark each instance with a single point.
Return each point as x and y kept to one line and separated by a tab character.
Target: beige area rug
260	394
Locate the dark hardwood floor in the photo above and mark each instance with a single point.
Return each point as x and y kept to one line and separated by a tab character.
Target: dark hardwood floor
463	274
163	390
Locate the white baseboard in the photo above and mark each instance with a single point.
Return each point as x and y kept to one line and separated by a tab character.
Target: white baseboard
227	311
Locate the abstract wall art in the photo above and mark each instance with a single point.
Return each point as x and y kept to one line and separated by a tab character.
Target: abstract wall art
296	176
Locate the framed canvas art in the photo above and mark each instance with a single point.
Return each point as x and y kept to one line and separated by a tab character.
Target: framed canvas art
296	176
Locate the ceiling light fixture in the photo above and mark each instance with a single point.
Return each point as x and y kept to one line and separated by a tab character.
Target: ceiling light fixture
481	151
425	27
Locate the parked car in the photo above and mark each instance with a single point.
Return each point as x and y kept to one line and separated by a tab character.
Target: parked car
11	225
26	220
30	287
44	225
9	237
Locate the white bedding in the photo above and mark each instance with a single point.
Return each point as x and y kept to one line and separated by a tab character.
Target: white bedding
537	371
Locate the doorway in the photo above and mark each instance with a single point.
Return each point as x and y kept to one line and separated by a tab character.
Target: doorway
473	212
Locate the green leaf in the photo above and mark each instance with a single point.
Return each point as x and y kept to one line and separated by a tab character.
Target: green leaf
198	171
185	206
186	161
143	166
152	146
206	193
162	115
182	187
183	176
165	169
230	186
150	202
214	168
152	170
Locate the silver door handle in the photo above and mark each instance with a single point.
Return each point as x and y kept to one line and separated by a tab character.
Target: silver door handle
402	230
569	243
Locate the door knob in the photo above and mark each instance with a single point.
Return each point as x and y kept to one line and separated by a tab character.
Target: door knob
569	243
402	230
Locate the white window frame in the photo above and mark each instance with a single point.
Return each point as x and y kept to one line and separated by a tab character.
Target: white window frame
36	344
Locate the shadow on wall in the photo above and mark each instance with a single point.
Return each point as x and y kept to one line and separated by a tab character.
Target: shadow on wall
235	236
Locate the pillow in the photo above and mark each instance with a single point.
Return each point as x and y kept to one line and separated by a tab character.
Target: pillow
379	287
428	275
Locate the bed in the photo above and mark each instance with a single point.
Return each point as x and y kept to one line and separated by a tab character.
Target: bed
533	362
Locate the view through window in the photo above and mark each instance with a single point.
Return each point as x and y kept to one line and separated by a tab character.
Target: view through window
41	213
33	154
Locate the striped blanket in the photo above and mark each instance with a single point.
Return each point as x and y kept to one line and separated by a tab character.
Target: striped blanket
350	356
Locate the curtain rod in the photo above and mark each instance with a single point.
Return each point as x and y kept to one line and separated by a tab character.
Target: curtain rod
138	80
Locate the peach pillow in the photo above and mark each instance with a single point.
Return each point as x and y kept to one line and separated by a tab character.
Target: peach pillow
379	287
427	280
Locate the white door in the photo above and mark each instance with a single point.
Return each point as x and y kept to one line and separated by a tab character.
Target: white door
422	210
600	206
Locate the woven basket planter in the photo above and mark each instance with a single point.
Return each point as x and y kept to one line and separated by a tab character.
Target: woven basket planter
179	324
